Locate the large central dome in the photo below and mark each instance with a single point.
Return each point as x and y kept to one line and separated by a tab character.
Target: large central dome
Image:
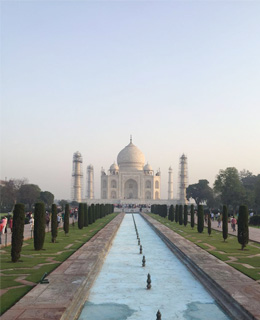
131	158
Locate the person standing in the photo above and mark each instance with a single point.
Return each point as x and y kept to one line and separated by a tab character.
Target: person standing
4	223
11	224
233	223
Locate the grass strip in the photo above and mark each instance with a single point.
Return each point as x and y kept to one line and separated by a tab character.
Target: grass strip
33	263
223	250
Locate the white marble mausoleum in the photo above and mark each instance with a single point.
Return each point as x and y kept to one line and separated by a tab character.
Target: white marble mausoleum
130	178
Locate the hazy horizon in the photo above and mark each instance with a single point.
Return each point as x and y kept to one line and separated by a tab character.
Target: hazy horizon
181	77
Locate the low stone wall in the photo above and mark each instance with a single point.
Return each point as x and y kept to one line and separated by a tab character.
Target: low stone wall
69	284
237	294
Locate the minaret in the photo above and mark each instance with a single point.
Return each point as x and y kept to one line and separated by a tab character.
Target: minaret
77	177
183	179
170	185
90	182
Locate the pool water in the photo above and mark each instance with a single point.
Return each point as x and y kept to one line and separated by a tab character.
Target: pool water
120	291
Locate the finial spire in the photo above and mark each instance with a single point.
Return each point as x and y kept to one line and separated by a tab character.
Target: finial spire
131	138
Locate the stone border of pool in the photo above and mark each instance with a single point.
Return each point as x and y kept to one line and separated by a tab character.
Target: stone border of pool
68	288
236	293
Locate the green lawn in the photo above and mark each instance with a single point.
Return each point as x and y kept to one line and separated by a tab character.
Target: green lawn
30	258
246	261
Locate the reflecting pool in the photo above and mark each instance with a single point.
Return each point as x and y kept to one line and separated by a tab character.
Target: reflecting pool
120	291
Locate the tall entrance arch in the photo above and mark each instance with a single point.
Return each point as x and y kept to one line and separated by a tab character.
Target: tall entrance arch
131	189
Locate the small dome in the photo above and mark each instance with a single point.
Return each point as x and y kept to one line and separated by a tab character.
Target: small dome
114	166
170	168
90	166
131	157
148	167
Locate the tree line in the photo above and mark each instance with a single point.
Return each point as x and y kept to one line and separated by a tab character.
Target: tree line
231	188
179	215
20	191
86	216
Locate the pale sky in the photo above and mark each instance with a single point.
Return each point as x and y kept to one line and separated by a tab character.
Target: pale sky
180	76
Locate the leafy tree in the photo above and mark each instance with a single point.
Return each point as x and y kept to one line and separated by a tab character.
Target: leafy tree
257	194
209	224
85	215
185	215
200	224
62	203
54	223
29	194
180	214
177	213
229	187
66	224
47	197
200	192
192	216
9	193
225	222
81	216
242	223
39	225
18	229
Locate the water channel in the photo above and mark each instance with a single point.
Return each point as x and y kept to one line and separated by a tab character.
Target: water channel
120	292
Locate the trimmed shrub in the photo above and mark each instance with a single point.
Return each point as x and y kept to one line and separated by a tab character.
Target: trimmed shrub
209	224
200	225
66	224
254	221
177	213
192	216
180	214
185	220
81	216
225	222
85	215
18	229
39	225
242	226
54	223
89	214
171	213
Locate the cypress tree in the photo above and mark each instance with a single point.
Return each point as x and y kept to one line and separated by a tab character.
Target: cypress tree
18	229
66	224
177	213
185	215
192	216
89	215
92	211
170	217
39	225
85	215
242	226
54	223
200	225
209	224
81	216
180	214
225	223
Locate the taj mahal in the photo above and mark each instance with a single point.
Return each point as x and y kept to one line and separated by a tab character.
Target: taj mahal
130	180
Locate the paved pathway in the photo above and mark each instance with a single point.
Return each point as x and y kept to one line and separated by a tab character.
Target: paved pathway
7	237
254	233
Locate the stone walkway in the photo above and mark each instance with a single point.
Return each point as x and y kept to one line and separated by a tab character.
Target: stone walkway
65	294
254	233
7	237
